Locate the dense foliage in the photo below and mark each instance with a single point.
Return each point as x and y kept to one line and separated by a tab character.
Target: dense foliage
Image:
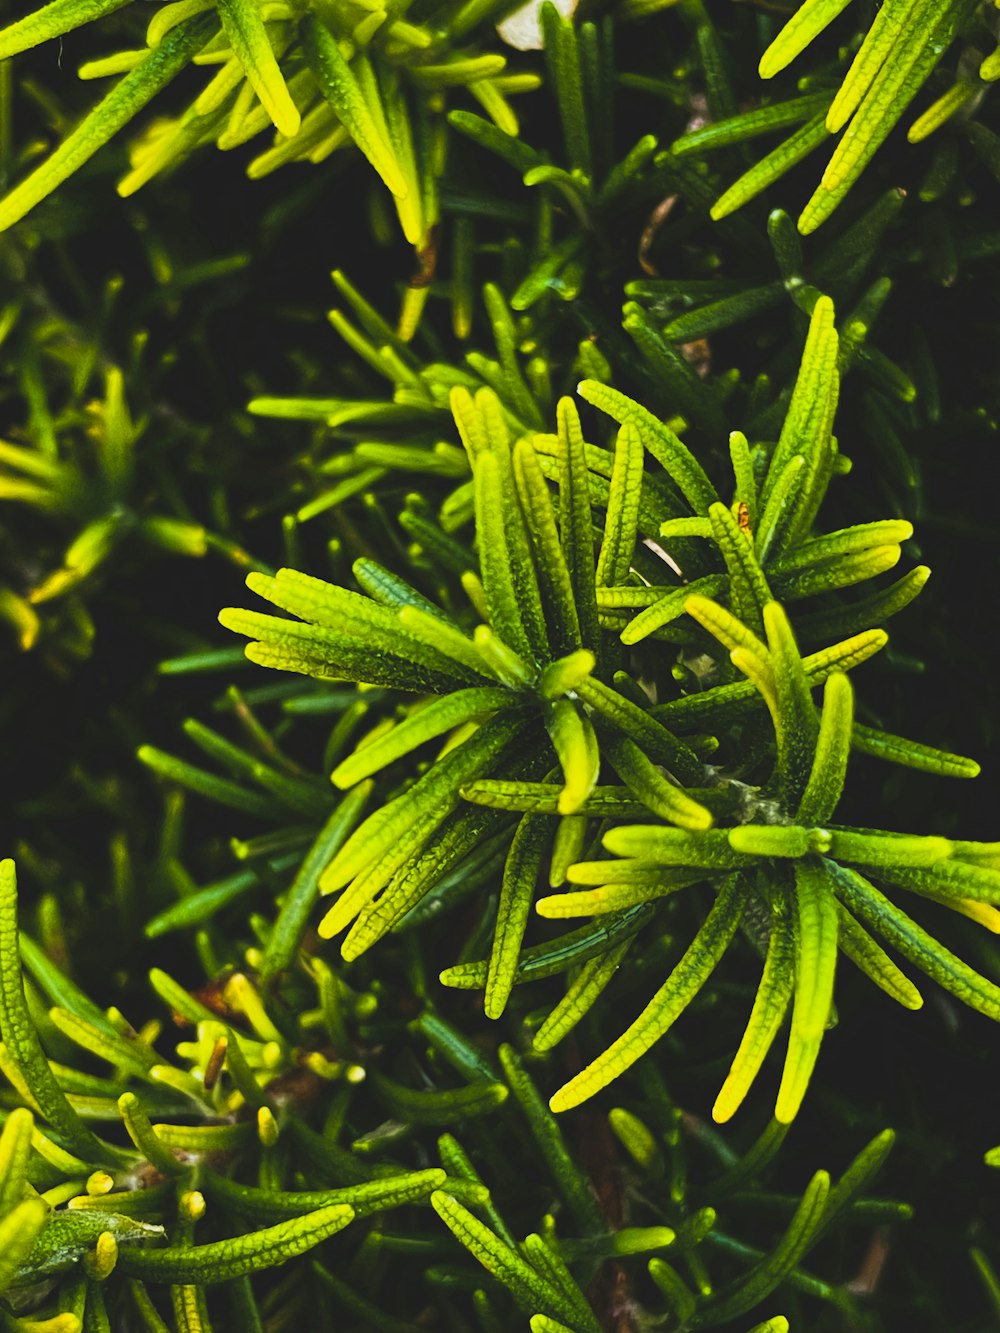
467	951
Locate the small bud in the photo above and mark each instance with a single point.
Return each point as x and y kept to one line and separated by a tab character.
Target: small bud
100	1264
99	1183
267	1127
192	1204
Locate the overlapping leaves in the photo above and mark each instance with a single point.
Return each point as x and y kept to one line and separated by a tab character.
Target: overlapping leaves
351	75
517	698
523	694
898	55
208	1190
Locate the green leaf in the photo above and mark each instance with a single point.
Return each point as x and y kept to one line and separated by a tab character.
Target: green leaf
768	1012
840	573
914	56
339	86
519	401
748	590
779	511
244	27
501	582
667	1004
808	422
199	780
178	999
554	580
749	124
795	725
223	1260
416	884
912	754
862	537
562	57
121	105
731	632
21	1040
803	27
52	20
680	1298
305	796
645	781
419	811
581	995
623	889
903	933
833	745
724	702
350	637
669	451
575	743
529	1289
860	1173
622	517
639	726
815	965
890	849
512	150
570	1181
442	637
140	1130
543	798
772	167
664	846
881	43
972	890
872	959
70	1235
295	910
763	1279
129	1057
874	608
19	1230
15	1151
542	1323
382	585
434	719
575	525
546	960
667	605
565	674
781	840
520	877
266	1205
58	987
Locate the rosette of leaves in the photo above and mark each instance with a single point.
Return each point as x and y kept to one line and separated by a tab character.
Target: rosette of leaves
522	695
779	490
776	674
525	692
788	864
349	75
